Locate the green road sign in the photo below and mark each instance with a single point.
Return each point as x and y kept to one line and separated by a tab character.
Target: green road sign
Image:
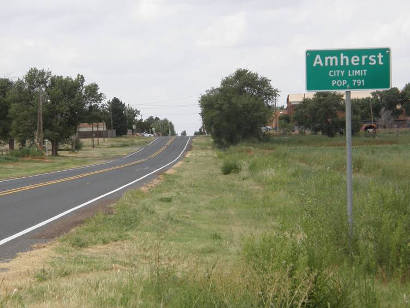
348	69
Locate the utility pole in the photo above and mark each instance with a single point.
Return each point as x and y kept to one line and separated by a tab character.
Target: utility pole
371	111
112	126
126	118
40	134
275	115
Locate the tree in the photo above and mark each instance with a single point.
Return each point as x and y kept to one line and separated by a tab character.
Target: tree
62	112
389	99
238	108
368	109
183	133
132	115
164	127
405	98
142	126
119	119
5	119
322	113
200	132
93	100
24	99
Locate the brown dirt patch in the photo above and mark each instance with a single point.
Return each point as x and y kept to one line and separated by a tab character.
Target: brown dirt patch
20	270
153	183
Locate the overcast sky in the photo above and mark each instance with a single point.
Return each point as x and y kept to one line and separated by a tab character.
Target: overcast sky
160	56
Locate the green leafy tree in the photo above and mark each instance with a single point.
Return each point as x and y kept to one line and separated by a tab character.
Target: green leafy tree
238	108
164	127
389	99
183	133
6	86
305	116
151	121
132	115
322	113
405	98
93	100
366	108
24	100
141	126
62	111
119	119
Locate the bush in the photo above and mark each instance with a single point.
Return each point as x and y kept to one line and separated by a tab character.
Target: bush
27	152
230	166
382	232
7	158
286	277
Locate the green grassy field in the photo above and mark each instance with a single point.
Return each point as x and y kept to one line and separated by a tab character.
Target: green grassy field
109	148
257	225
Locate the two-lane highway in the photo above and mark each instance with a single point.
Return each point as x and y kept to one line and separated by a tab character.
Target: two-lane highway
30	203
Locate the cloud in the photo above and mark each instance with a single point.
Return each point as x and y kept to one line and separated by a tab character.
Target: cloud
147	9
226	31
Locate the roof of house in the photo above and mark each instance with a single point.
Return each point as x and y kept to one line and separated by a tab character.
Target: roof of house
299	97
87	125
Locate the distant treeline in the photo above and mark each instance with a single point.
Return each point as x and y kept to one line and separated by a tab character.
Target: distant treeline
62	103
325	111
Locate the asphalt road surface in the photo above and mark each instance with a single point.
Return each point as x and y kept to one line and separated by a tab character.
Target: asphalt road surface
31	207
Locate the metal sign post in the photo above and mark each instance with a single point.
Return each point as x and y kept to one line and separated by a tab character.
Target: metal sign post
349	171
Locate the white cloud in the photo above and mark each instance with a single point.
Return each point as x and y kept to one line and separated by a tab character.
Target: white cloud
226	31
147	9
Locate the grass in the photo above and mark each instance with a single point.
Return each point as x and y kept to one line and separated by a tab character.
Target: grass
271	235
13	166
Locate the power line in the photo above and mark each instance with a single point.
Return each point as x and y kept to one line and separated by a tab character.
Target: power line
171	99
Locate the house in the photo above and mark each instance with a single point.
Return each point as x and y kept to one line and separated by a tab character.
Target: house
98	130
295	99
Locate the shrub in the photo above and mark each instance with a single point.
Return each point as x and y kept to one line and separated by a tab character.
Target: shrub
7	158
383	232
27	152
286	277
230	166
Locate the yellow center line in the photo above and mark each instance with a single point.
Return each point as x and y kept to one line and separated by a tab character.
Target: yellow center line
79	176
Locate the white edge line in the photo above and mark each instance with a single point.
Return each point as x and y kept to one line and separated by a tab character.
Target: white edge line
45	222
76	168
